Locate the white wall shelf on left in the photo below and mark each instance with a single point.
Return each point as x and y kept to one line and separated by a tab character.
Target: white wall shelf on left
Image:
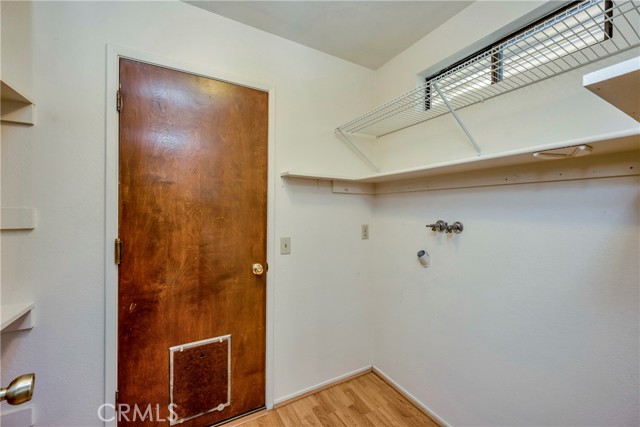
16	317
19	417
15	107
17	218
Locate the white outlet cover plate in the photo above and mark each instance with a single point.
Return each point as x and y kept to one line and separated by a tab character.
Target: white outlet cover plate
285	245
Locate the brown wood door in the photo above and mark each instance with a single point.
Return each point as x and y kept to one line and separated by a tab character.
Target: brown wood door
192	221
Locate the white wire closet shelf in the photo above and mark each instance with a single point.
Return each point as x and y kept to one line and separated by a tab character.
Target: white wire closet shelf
590	31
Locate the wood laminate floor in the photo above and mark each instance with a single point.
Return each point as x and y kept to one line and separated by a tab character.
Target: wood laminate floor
363	401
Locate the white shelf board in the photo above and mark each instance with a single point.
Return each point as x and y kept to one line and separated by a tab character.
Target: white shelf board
15	107
619	85
19	417
8	93
17	218
13	312
602	144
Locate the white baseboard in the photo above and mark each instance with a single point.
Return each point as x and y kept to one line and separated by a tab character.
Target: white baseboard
294	396
410	397
21	417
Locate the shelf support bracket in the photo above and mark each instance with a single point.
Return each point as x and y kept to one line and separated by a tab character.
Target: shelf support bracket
355	146
458	119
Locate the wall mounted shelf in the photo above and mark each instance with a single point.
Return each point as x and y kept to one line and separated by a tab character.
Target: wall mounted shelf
18	417
16	317
17	219
619	85
572	39
604	160
15	108
576	37
583	34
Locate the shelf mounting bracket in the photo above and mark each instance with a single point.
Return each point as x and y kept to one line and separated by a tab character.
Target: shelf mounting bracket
355	146
458	119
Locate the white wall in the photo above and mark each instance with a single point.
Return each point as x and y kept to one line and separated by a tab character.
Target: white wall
530	316
55	52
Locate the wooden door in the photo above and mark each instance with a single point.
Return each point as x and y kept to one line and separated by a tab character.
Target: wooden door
192	222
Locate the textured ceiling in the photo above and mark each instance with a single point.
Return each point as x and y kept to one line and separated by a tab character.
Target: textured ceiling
369	33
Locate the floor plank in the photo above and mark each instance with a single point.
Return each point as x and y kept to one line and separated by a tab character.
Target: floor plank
365	401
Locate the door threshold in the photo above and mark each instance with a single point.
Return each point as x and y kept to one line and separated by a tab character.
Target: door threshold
244	418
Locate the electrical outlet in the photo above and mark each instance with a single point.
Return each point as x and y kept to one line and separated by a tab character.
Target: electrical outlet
285	245
364	231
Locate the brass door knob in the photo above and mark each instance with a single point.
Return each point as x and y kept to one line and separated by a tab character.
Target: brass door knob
258	269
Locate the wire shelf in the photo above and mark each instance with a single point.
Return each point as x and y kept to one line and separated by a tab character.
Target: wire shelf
590	31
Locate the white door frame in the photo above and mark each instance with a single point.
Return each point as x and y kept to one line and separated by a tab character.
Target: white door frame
114	53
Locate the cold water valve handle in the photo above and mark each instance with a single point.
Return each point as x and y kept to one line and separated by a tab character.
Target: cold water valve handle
439	225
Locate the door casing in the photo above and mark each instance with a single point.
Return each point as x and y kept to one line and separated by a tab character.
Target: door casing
114	53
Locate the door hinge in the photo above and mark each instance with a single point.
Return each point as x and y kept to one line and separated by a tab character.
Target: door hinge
118	251
117	396
118	101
